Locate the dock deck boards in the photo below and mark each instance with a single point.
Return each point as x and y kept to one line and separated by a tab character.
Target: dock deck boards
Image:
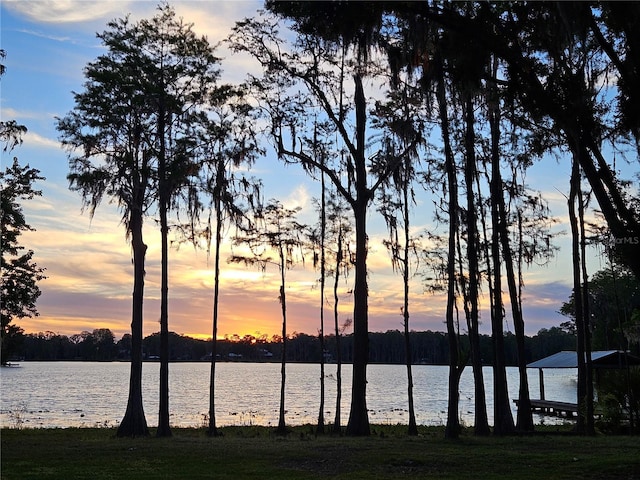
549	407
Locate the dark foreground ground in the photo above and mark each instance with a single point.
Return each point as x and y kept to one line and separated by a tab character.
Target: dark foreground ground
257	453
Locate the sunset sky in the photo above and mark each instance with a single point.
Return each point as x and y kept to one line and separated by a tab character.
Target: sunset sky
88	261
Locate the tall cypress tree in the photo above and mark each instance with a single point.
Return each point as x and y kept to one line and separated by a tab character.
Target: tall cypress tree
142	110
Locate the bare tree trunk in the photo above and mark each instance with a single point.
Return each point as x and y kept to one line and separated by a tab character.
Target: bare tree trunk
413	427
452	429
164	429
456	363
578	298
525	417
337	421
323	273
134	423
502	417
481	422
212	430
590	421
358	424
282	427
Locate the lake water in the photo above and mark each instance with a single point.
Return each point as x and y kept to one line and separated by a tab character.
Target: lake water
85	394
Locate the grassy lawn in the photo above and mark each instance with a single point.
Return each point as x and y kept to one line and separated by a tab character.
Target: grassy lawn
255	452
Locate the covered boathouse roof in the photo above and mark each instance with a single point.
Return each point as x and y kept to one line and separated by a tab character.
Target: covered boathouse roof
599	359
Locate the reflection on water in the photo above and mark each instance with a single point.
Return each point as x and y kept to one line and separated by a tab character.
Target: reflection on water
83	394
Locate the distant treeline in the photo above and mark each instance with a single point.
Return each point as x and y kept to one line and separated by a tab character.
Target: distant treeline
384	347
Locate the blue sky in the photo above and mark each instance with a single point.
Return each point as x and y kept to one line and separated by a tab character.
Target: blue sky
88	261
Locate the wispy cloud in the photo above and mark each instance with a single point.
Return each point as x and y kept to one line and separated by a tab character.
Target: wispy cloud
48	36
35	140
19	115
64	11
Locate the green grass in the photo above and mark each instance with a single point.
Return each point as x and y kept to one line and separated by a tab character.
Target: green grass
257	453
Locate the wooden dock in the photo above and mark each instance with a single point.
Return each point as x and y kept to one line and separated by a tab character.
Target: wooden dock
549	407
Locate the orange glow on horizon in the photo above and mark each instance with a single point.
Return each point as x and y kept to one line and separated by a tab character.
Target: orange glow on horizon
90	280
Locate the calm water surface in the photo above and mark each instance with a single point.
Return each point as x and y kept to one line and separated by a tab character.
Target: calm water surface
85	394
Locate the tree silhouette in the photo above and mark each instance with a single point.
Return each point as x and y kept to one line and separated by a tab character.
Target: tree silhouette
558	77
109	134
466	61
456	361
570	68
20	274
503	419
321	70
339	233
481	424
228	144
178	71
396	202
317	238
275	231
581	347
